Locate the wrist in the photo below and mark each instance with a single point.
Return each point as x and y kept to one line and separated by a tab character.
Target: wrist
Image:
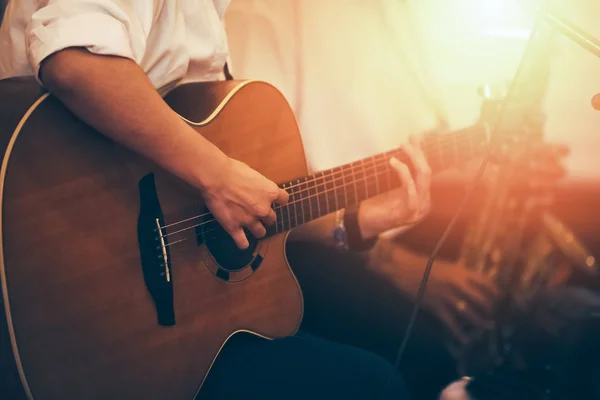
367	228
210	175
355	238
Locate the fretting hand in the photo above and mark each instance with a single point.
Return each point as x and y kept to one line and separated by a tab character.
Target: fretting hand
404	206
242	198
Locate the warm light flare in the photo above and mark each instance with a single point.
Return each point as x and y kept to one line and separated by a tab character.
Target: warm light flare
504	18
495	12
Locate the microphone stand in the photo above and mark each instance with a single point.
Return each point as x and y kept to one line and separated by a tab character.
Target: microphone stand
573	32
577	35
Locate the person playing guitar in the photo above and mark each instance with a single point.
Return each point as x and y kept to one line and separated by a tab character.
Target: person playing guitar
110	62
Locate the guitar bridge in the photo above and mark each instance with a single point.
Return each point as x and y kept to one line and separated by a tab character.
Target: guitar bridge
154	252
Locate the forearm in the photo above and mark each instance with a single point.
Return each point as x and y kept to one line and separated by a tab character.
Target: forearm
114	96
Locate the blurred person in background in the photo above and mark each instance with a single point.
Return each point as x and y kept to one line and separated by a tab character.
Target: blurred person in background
109	62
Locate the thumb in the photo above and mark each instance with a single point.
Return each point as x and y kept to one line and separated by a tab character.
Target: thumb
240	239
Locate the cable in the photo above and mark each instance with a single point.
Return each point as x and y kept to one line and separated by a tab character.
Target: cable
528	53
434	255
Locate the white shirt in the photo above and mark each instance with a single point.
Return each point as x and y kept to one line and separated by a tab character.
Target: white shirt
173	41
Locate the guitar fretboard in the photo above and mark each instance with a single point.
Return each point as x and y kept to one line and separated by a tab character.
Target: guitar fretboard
316	195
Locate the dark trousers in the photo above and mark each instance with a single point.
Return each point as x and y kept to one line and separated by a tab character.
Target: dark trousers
299	367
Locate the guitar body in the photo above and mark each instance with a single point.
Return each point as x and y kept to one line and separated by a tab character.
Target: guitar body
81	319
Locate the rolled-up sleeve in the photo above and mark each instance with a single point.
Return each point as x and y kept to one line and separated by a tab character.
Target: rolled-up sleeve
106	27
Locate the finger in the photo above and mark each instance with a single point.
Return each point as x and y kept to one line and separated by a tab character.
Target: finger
425	206
422	170
447	317
282	196
270	218
257	229
417	143
240	239
422	173
408	184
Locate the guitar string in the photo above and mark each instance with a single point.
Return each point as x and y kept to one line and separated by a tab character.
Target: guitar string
365	178
463	136
373	167
289	219
367	172
333	176
373	160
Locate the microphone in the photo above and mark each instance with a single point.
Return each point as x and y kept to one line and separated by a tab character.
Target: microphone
596	102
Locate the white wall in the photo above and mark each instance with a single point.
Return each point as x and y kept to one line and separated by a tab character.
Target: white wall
342	66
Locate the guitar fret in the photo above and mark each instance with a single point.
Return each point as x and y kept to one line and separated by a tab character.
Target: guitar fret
292	206
279	213
324	192
360	182
310	209
334	190
374	160
278	216
384	185
341	189
353	180
364	178
388	171
301	201
370	173
345	202
317	199
287	209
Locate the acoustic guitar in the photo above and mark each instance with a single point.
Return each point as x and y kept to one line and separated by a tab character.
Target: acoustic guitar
117	283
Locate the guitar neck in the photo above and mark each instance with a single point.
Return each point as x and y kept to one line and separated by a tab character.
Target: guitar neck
327	191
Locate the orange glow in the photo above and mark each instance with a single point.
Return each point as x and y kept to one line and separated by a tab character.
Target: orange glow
343	67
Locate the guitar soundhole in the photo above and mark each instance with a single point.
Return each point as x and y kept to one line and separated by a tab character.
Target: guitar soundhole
225	252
